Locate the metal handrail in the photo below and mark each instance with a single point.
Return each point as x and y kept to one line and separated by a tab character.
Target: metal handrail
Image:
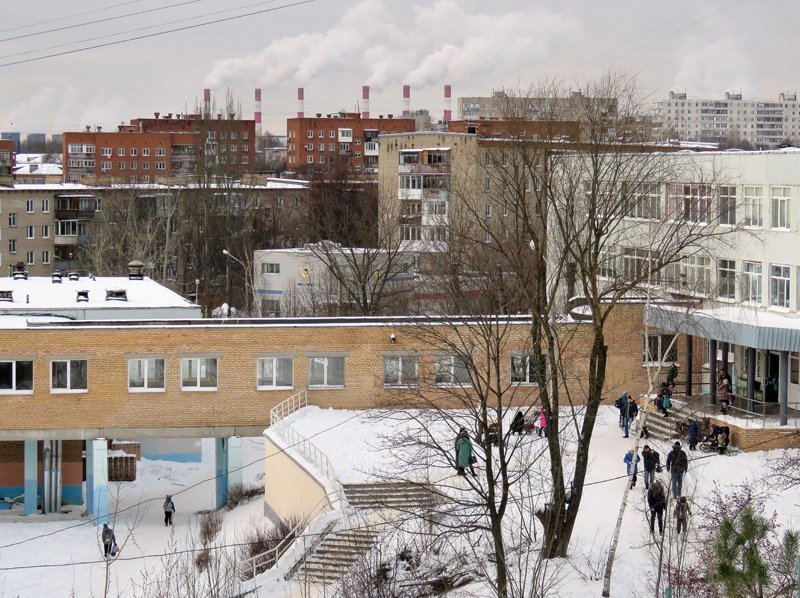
288	406
281	547
309	450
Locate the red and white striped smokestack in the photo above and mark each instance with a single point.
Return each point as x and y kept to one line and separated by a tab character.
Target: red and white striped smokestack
365	101
406	100
258	112
448	104
206	103
301	102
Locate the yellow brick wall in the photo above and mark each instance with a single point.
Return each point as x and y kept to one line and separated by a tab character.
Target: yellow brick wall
760	439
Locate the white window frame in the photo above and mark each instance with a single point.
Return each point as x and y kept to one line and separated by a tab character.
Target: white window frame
70	364
780	197
780	281
30	232
446	371
144	364
401	371
275	362
30	258
726	204
46	256
527	370
14	390
752	282
45	206
662	341
145	151
29	206
726	279
270	268
753	194
200	366
327	363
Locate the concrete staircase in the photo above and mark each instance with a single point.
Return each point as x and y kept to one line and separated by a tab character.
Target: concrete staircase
682	409
374	504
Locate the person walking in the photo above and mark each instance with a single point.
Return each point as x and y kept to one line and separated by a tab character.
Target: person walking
657	501
652	464
169	509
109	540
631	410
693	432
682	513
628	459
542	422
665	397
464	457
621	404
677	465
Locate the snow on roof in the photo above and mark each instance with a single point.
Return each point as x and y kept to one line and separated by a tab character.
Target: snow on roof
41	294
425	149
38	168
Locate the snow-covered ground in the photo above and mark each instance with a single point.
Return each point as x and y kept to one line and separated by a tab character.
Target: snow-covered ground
354	442
62	557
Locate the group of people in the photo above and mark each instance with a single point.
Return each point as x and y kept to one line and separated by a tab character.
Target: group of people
109	540
677	464
628	416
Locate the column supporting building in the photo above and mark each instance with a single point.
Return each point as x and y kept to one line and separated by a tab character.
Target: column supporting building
234	461
751	378
221	459
712	370
688	368
97	480
783	386
31	496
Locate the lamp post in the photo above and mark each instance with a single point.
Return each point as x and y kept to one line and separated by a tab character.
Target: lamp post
247	277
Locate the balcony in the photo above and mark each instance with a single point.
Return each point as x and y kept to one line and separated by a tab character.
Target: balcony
371	148
61	240
425	169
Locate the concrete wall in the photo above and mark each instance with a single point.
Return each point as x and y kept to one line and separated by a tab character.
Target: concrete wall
291	490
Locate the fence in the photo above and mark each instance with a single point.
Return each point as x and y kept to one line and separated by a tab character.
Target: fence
288	406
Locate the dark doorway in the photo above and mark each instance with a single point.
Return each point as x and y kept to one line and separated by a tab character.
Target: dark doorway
771	385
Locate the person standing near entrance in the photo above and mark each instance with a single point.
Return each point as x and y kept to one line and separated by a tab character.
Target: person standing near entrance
724	388
169	509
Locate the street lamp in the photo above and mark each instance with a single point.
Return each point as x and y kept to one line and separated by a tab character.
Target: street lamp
247	277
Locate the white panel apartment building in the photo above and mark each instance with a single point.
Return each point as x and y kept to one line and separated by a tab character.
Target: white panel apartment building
765	123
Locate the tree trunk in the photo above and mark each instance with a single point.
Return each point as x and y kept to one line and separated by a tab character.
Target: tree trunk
500	557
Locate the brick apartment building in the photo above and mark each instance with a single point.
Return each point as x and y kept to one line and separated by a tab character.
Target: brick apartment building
348	139
149	150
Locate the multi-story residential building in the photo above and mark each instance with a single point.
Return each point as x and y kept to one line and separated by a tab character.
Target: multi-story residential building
6	161
500	105
762	123
151	150
349	140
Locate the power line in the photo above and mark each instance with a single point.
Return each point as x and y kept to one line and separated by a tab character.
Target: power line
77	14
136	38
107	19
146	28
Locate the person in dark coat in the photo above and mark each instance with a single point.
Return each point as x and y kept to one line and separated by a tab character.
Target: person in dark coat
622	404
518	423
693	432
665	399
724	389
169	509
657	501
108	538
672	375
682	513
463	452
652	463
631	410
677	465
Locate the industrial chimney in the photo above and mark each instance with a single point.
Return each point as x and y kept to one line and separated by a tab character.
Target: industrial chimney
258	112
301	100
448	104
365	101
206	103
406	100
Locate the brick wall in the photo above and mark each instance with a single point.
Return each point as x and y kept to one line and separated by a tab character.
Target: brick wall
760	439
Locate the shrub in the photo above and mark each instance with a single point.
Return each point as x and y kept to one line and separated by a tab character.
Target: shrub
238	494
258	540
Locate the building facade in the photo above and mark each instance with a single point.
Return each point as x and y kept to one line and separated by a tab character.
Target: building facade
345	140
6	161
761	123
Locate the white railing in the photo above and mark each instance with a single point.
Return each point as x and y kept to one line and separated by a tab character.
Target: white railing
305	447
288	406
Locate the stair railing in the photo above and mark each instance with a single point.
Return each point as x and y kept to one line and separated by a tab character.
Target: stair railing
288	406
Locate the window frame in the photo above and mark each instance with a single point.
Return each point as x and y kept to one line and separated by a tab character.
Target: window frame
752	280
146	374
400	369
199	387
14	390
661	358
326	361
775	280
69	361
445	371
527	370
275	369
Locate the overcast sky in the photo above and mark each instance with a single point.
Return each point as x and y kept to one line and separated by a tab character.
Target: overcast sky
332	47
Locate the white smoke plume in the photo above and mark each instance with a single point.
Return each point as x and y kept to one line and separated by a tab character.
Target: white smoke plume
714	66
388	43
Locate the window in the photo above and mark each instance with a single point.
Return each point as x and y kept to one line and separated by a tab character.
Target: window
12	220
780	207
145	165
331	147
332	134
146	179
146	374
245	135
161	165
104	166
727	204
321	147
16	376
751	282
726	279
654	349
121	165
450	370
690	202
321	134
309	159
779	279
133	152
271	308
29	232
246	159
636	263
107	152
145	151
69	375
274	372
309	134
487	184
199	373
488	210
523	370
160	151
45	205
45	256
401	370
232	147
752	206
30	258
29	206
120	151
133	165
411	233
12	246
646	203
325	371
246	148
